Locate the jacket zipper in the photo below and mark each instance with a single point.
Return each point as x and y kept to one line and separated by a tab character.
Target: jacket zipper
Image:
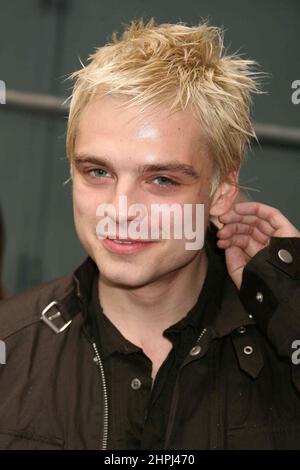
105	399
201	335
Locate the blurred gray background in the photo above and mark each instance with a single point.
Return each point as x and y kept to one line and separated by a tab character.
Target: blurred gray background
40	44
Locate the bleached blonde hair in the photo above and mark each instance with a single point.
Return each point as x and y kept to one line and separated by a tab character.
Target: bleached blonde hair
181	67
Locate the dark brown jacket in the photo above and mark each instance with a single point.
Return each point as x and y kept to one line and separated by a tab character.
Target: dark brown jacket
237	389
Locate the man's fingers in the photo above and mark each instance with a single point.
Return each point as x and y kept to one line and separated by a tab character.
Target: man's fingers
245	242
264	212
244	229
252	220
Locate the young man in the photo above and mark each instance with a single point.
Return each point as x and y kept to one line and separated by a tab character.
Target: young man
149	344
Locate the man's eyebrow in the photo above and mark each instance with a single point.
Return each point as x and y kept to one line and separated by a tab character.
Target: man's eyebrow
79	159
83	158
173	166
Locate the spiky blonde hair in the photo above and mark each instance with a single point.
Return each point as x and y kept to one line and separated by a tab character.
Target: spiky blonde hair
181	67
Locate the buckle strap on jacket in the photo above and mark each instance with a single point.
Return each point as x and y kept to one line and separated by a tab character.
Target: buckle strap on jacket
58	314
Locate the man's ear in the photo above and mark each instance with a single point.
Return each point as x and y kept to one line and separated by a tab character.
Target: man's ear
223	197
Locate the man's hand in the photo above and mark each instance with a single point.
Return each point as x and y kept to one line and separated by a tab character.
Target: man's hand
248	228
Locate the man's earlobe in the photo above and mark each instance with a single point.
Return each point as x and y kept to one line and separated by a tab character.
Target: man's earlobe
224	198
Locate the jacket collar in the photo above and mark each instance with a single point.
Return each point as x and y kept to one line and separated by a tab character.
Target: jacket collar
232	313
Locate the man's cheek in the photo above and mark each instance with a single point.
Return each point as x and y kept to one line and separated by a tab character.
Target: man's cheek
83	203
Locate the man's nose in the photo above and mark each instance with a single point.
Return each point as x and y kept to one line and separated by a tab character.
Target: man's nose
125	195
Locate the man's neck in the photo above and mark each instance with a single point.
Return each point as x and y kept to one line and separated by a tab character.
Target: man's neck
148	310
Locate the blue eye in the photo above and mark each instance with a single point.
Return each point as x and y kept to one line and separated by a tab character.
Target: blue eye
165	181
98	172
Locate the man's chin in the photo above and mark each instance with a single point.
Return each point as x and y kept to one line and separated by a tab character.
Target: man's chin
126	283
126	280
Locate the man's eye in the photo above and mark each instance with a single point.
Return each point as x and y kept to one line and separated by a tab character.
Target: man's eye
164	181
97	172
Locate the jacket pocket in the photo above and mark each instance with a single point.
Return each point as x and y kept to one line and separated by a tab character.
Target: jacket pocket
19	440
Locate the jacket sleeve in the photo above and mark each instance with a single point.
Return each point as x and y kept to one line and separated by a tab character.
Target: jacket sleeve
270	292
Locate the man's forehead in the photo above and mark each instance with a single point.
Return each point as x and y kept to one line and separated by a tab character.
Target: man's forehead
148	132
154	121
153	136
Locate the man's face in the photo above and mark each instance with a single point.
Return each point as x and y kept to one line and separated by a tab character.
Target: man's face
122	152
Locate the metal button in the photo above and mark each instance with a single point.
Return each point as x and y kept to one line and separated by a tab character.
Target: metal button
285	256
95	359
136	384
259	297
241	330
195	350
250	316
248	350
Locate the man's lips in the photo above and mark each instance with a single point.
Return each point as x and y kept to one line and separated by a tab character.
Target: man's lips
126	245
128	239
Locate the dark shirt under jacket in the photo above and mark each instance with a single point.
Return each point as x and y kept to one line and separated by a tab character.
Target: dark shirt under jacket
138	412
